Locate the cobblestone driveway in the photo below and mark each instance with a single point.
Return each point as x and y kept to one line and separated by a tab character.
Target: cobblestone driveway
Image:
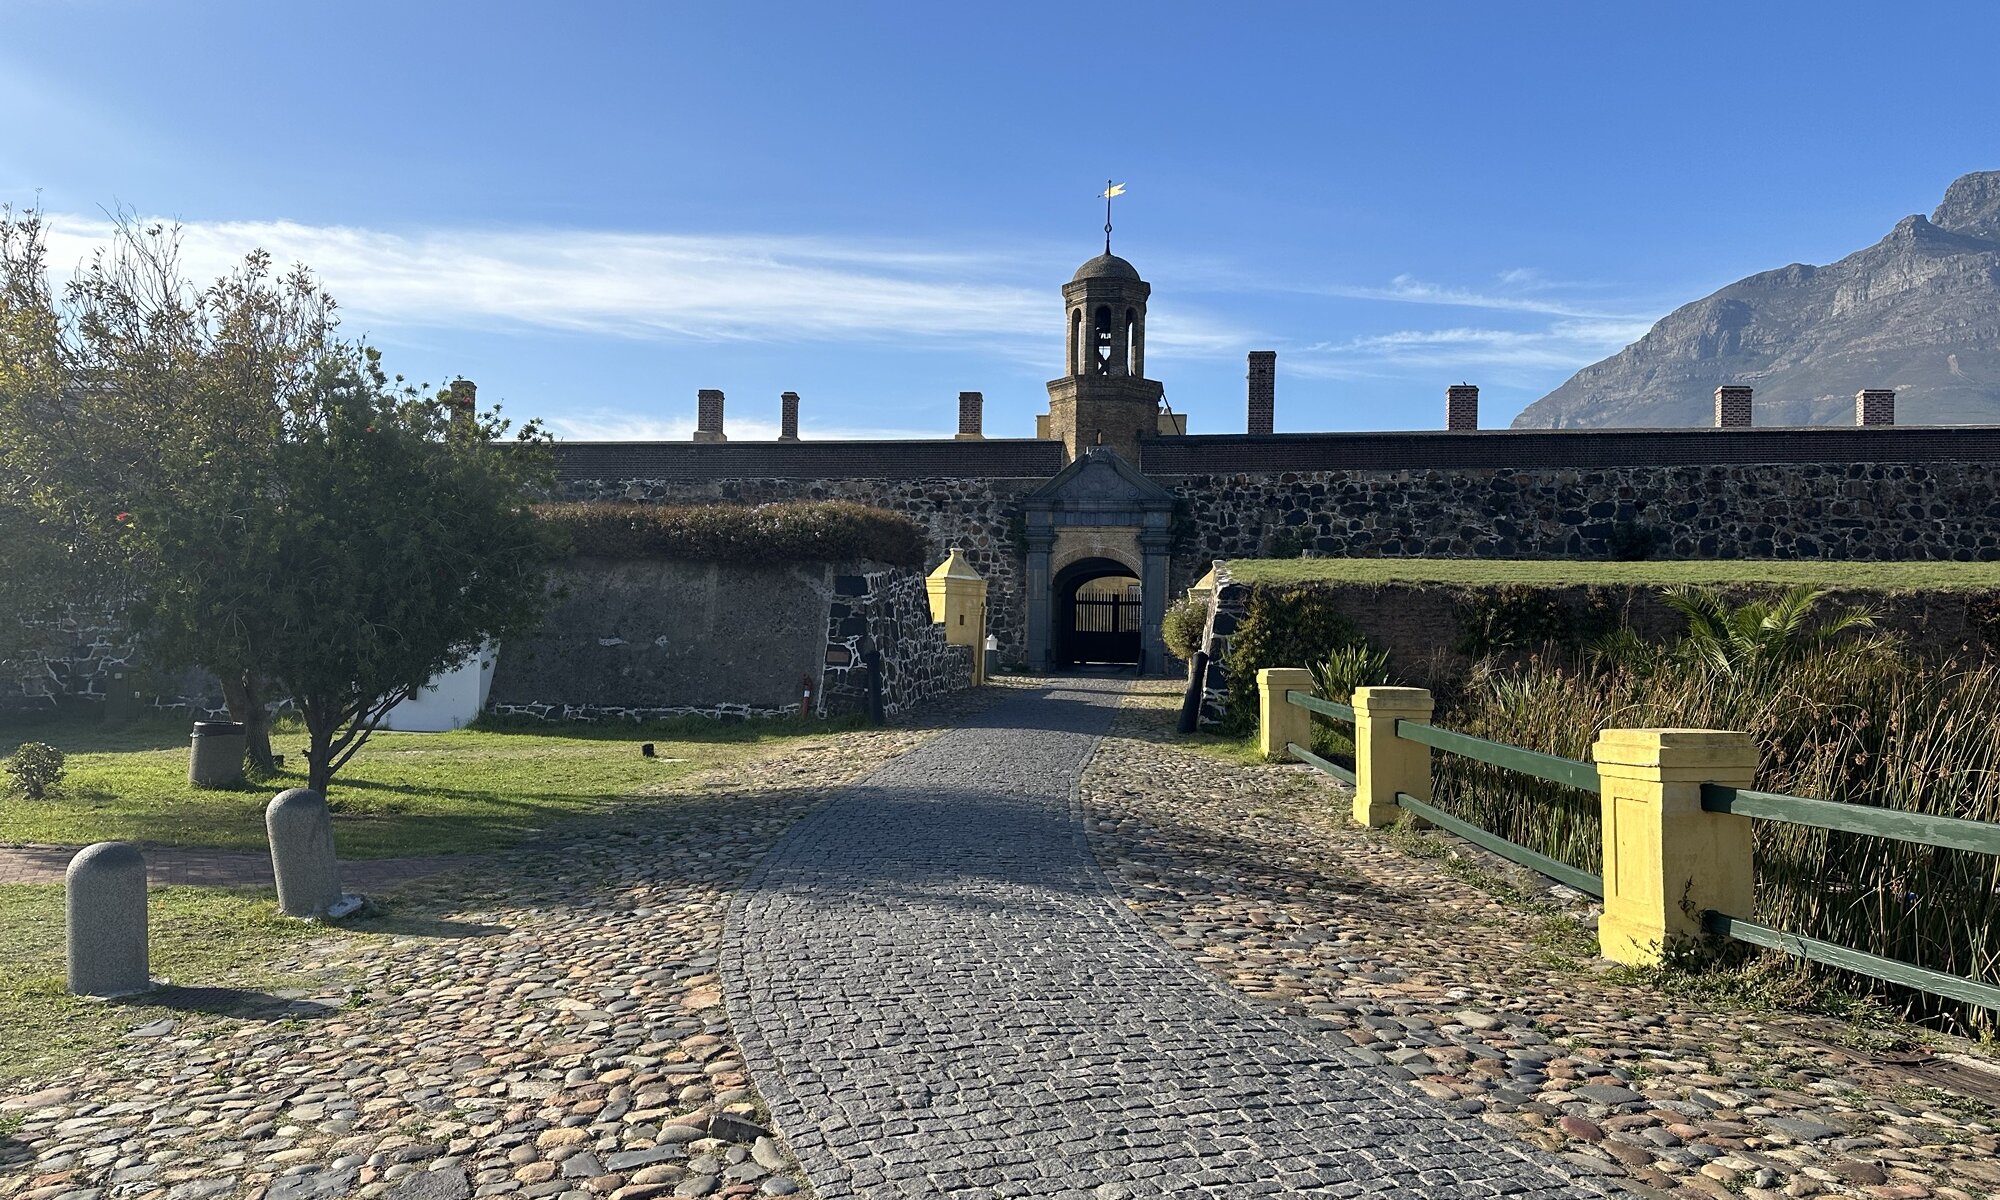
939	996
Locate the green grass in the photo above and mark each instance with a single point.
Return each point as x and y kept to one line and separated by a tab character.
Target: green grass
1478	572
221	938
403	794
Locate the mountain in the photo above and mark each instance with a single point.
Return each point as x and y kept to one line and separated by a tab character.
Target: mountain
1918	311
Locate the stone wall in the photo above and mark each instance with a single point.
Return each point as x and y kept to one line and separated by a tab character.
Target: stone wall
89	658
888	611
974	514
1795	510
644	640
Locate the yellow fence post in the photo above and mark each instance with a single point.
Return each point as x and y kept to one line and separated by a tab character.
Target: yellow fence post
1277	721
1385	764
1665	857
958	602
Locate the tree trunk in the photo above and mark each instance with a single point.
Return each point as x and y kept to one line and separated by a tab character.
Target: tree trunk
319	753
245	696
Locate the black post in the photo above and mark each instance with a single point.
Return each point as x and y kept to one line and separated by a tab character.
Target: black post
1191	699
873	661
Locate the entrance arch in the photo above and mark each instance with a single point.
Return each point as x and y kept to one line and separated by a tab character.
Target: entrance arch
1098	614
1099	507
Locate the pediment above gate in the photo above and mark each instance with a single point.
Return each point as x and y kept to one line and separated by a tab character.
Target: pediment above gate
1101	482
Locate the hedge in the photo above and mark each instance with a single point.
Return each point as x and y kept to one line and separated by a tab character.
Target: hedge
809	531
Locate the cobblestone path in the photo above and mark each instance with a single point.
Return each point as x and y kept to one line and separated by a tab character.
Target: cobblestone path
939	996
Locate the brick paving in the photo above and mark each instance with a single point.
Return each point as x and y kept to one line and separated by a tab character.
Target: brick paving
206	867
939	995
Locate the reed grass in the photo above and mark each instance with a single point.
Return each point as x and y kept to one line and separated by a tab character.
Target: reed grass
1858	728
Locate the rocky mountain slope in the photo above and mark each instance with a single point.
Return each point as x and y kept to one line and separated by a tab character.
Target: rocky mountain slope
1919	311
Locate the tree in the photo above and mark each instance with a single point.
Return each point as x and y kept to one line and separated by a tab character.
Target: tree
284	514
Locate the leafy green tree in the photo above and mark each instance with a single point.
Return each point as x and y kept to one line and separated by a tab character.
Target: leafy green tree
279	511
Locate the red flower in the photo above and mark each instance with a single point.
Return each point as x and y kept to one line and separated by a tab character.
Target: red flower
123	518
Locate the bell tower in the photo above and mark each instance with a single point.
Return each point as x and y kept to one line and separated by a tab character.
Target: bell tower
1104	397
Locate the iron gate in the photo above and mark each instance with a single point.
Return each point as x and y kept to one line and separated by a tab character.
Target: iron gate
1104	629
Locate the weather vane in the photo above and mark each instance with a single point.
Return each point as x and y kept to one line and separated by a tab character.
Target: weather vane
1110	189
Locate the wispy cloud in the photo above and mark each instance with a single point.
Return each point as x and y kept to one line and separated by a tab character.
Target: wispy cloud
1522	290
619	425
691	287
1564	344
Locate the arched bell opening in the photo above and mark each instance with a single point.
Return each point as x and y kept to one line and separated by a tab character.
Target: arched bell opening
1098	609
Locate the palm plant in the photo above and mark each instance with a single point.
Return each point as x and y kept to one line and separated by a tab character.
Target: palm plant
1761	634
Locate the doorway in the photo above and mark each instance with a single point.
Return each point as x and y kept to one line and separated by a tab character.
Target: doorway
1099	610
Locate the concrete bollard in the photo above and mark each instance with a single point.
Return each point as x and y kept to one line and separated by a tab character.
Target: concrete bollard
300	829
104	891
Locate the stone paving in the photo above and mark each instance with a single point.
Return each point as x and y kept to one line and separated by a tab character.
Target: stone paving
549	1024
939	996
1495	1007
201	866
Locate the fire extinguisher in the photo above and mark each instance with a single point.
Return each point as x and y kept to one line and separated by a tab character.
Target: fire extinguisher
805	695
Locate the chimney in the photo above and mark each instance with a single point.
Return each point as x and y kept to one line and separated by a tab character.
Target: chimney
1875	406
788	417
971	415
1732	408
1263	391
1461	406
708	416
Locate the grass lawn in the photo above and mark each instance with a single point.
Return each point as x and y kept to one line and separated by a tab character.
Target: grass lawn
222	938
1476	572
403	794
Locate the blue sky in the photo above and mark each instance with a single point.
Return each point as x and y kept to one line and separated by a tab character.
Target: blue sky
595	209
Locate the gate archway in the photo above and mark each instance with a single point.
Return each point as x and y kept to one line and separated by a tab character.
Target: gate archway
1099	614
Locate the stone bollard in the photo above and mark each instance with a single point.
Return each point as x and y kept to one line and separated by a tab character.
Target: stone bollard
300	829
104	891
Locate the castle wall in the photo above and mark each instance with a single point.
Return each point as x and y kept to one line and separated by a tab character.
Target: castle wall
1857	510
641	640
1938	510
975	514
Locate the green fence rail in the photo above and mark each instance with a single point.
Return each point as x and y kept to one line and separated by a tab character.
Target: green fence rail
1859	961
1566	771
1556	869
1951	833
1325	708
1325	764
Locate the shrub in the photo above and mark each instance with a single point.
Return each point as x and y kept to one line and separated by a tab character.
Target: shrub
37	768
1182	626
1352	666
1288	627
1513	617
812	531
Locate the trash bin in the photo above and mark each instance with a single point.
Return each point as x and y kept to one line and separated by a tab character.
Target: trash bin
216	759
